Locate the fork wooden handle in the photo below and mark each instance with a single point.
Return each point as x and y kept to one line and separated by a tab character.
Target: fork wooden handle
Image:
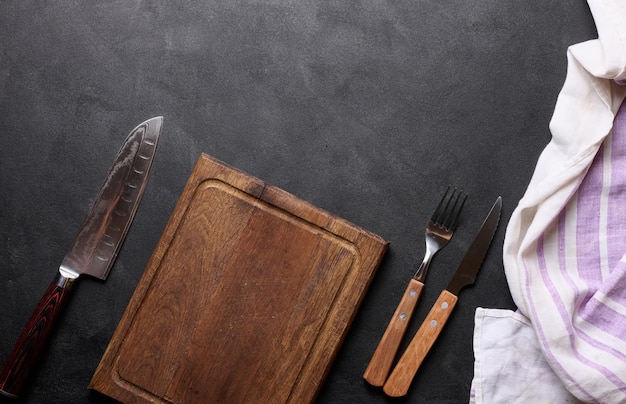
400	379
380	364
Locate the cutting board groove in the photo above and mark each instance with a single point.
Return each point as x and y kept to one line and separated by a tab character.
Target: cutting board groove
246	299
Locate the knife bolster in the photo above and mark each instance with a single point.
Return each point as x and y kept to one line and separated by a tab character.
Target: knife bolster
64	280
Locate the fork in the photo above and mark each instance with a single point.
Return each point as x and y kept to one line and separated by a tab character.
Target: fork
439	231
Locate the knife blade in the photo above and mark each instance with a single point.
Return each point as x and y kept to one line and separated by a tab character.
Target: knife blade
402	375
93	251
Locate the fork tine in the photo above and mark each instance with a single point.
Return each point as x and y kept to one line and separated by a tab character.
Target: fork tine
447	212
436	217
457	212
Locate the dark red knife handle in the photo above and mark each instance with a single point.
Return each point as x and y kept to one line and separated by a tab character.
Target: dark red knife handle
31	342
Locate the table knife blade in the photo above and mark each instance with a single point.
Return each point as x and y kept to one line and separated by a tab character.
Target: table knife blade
398	383
93	251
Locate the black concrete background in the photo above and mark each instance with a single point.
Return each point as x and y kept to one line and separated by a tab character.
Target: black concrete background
367	109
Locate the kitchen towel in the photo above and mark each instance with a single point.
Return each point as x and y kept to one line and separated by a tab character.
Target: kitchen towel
565	246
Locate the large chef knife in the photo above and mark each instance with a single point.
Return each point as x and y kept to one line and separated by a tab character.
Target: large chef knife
93	251
400	379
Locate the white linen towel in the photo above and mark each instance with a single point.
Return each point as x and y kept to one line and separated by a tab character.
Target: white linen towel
565	246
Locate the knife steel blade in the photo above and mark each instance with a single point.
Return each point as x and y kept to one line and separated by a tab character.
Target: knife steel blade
402	375
93	251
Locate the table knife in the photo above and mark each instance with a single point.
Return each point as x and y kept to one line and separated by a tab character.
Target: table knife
402	375
93	251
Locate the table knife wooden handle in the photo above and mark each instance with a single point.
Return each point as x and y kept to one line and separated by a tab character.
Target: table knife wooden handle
33	338
380	364
400	379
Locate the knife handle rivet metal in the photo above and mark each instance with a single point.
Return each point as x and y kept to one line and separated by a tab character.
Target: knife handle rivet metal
399	381
106	225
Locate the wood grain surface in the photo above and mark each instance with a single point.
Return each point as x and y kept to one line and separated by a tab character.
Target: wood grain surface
385	353
247	297
33	340
399	381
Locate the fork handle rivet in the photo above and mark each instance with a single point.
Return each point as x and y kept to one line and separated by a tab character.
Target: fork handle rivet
413	292
402	316
444	305
433	323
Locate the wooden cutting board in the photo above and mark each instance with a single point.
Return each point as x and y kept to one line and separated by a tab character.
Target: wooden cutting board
246	299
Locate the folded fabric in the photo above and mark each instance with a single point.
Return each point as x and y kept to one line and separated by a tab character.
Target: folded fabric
510	363
565	245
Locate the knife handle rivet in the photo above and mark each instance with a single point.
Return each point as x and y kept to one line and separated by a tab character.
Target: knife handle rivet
444	305
413	292
402	316
433	323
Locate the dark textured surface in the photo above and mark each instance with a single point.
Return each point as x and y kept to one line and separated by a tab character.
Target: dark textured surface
367	109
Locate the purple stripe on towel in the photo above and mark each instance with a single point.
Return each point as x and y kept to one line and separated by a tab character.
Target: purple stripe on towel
604	318
547	349
617	197
567	324
588	224
576	291
615	285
